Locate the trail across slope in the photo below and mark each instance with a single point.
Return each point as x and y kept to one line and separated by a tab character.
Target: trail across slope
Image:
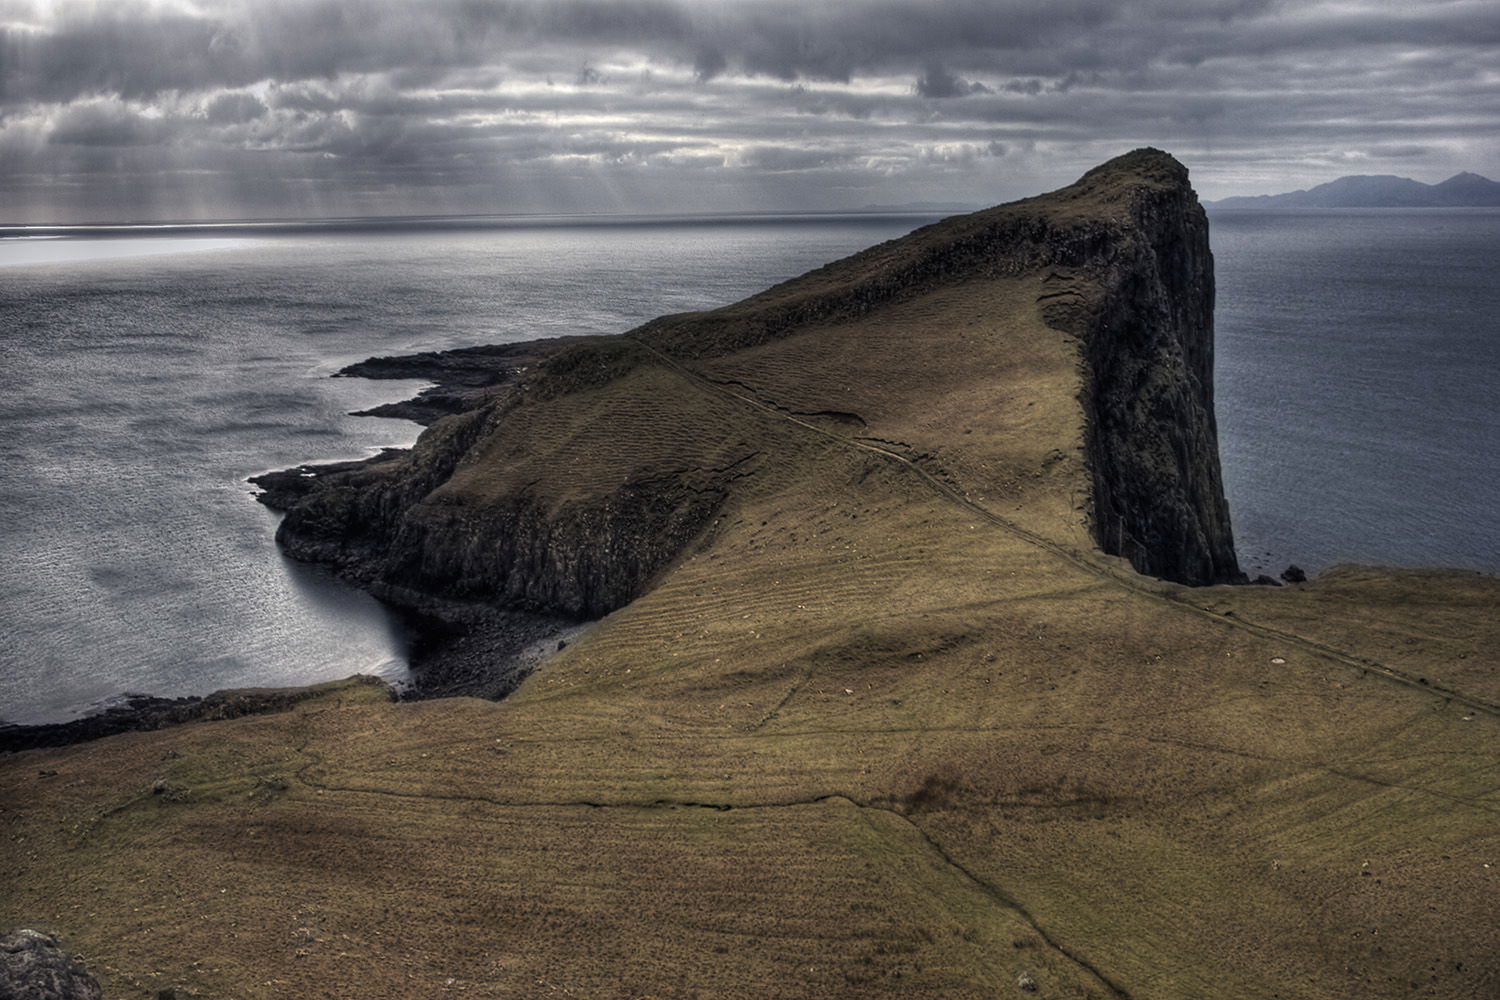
1155	590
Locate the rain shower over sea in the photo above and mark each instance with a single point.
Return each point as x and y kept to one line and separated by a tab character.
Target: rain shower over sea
149	371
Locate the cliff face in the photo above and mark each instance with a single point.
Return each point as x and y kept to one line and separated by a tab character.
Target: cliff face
540	500
1148	394
571	488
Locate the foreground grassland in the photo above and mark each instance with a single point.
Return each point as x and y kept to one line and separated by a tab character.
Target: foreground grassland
892	726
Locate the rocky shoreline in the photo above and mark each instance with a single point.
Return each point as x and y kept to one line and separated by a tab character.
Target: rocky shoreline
460	647
473	652
137	712
464	378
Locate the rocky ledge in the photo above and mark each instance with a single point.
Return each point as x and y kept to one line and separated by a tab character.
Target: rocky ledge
464	379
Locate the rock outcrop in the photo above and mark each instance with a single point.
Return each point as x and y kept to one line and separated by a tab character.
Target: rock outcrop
508	504
33	966
463	376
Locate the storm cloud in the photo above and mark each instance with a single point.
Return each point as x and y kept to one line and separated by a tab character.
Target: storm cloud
212	109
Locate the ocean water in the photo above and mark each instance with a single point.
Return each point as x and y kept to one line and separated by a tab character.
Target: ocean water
148	372
1357	377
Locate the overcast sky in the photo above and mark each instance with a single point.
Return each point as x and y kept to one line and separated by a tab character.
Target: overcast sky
132	109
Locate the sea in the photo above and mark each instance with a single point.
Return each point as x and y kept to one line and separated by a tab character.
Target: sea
1357	382
149	370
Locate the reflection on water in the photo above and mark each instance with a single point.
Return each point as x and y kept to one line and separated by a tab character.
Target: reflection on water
16	251
359	617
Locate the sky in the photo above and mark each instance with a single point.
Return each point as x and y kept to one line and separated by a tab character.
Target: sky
114	110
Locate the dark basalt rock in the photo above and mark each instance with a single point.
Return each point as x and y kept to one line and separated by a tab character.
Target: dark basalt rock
285	487
1152	438
470	367
1294	574
466	378
576	561
34	967
136	712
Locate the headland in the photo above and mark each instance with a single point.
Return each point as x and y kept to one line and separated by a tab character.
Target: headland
921	669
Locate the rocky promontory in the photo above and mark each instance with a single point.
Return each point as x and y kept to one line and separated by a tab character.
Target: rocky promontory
522	495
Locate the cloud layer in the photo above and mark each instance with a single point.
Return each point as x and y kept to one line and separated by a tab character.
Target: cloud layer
139	109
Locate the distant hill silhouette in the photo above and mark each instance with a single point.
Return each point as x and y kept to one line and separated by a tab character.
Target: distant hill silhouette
1464	190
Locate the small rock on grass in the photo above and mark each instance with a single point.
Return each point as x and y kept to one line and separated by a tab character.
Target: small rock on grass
34	967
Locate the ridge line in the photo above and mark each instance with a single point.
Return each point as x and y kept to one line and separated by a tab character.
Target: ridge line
1077	559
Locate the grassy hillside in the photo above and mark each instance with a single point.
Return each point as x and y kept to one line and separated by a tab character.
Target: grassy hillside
890	725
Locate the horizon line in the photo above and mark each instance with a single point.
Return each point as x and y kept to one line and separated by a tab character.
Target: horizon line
913	209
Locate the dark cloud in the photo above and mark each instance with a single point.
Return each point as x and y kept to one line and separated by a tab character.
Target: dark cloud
110	49
102	123
137	50
709	63
234	108
936	82
674	100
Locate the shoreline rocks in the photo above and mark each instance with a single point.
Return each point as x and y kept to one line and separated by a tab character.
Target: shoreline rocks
464	378
136	712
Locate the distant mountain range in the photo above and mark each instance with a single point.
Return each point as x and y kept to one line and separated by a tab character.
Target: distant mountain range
1464	190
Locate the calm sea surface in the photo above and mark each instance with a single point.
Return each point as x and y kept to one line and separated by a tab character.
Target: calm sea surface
1358	386
148	373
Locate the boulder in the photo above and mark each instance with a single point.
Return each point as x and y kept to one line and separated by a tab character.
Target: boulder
34	967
